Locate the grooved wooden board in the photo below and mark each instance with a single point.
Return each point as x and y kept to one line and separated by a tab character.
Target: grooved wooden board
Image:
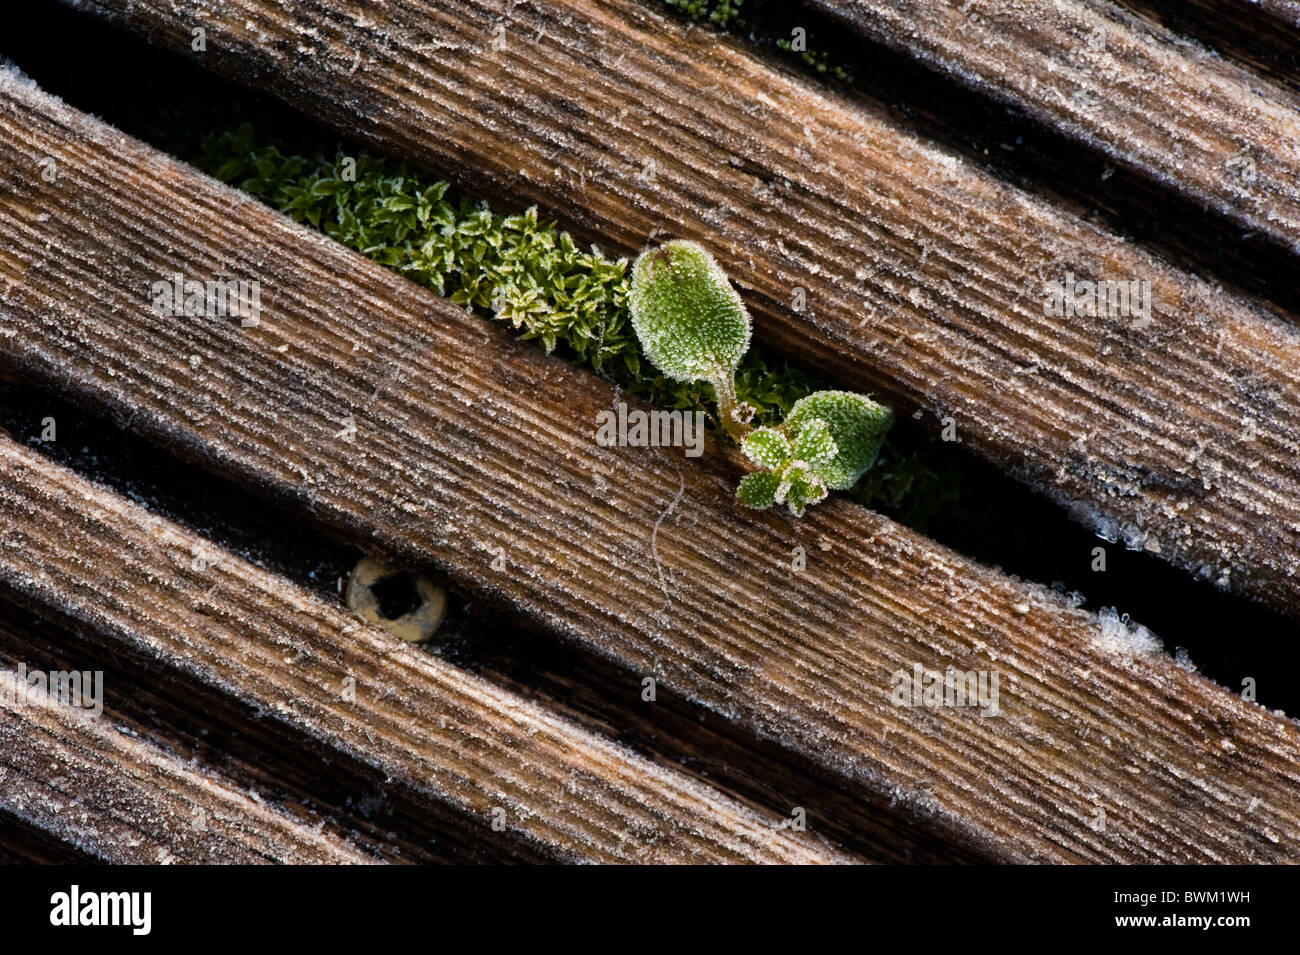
456	739
477	452
122	800
925	278
1150	100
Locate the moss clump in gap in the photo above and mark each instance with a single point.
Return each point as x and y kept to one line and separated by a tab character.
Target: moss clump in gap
722	13
725	15
529	274
818	61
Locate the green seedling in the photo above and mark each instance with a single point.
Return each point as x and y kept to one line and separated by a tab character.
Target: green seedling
693	327
528	274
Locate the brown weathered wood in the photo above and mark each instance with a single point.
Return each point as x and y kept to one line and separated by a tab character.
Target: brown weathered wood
924	276
477	452
1206	128
457	739
122	800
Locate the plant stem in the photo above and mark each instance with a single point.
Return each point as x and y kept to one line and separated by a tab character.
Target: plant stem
725	388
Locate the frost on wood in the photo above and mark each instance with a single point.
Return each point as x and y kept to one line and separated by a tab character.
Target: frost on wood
823	642
117	797
569	793
1118	634
1086	67
1038	381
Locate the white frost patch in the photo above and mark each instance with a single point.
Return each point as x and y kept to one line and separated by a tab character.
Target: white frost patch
9	72
1118	634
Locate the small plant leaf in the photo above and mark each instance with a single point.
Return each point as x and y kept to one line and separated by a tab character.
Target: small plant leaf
767	448
758	490
857	425
690	321
815	444
799	487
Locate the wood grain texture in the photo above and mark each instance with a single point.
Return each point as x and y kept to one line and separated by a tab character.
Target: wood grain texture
1167	108
121	800
924	277
460	740
476	452
1286	12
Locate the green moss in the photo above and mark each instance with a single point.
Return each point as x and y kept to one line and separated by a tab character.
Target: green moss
723	13
527	273
819	62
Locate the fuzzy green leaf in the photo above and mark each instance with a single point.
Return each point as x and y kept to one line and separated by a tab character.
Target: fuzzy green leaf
767	448
815	444
799	487
758	490
857	425
691	323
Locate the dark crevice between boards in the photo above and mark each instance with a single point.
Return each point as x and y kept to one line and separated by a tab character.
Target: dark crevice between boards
24	844
310	782
993	519
600	697
1011	145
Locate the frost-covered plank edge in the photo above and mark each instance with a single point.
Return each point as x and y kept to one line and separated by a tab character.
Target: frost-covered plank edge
122	800
1154	102
450	736
477	452
922	279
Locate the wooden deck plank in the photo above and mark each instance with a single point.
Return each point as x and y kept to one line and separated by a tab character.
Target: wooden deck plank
1150	100
476	452
924	277
85	555
122	800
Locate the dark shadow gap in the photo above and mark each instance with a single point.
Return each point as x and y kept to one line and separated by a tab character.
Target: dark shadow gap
24	844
